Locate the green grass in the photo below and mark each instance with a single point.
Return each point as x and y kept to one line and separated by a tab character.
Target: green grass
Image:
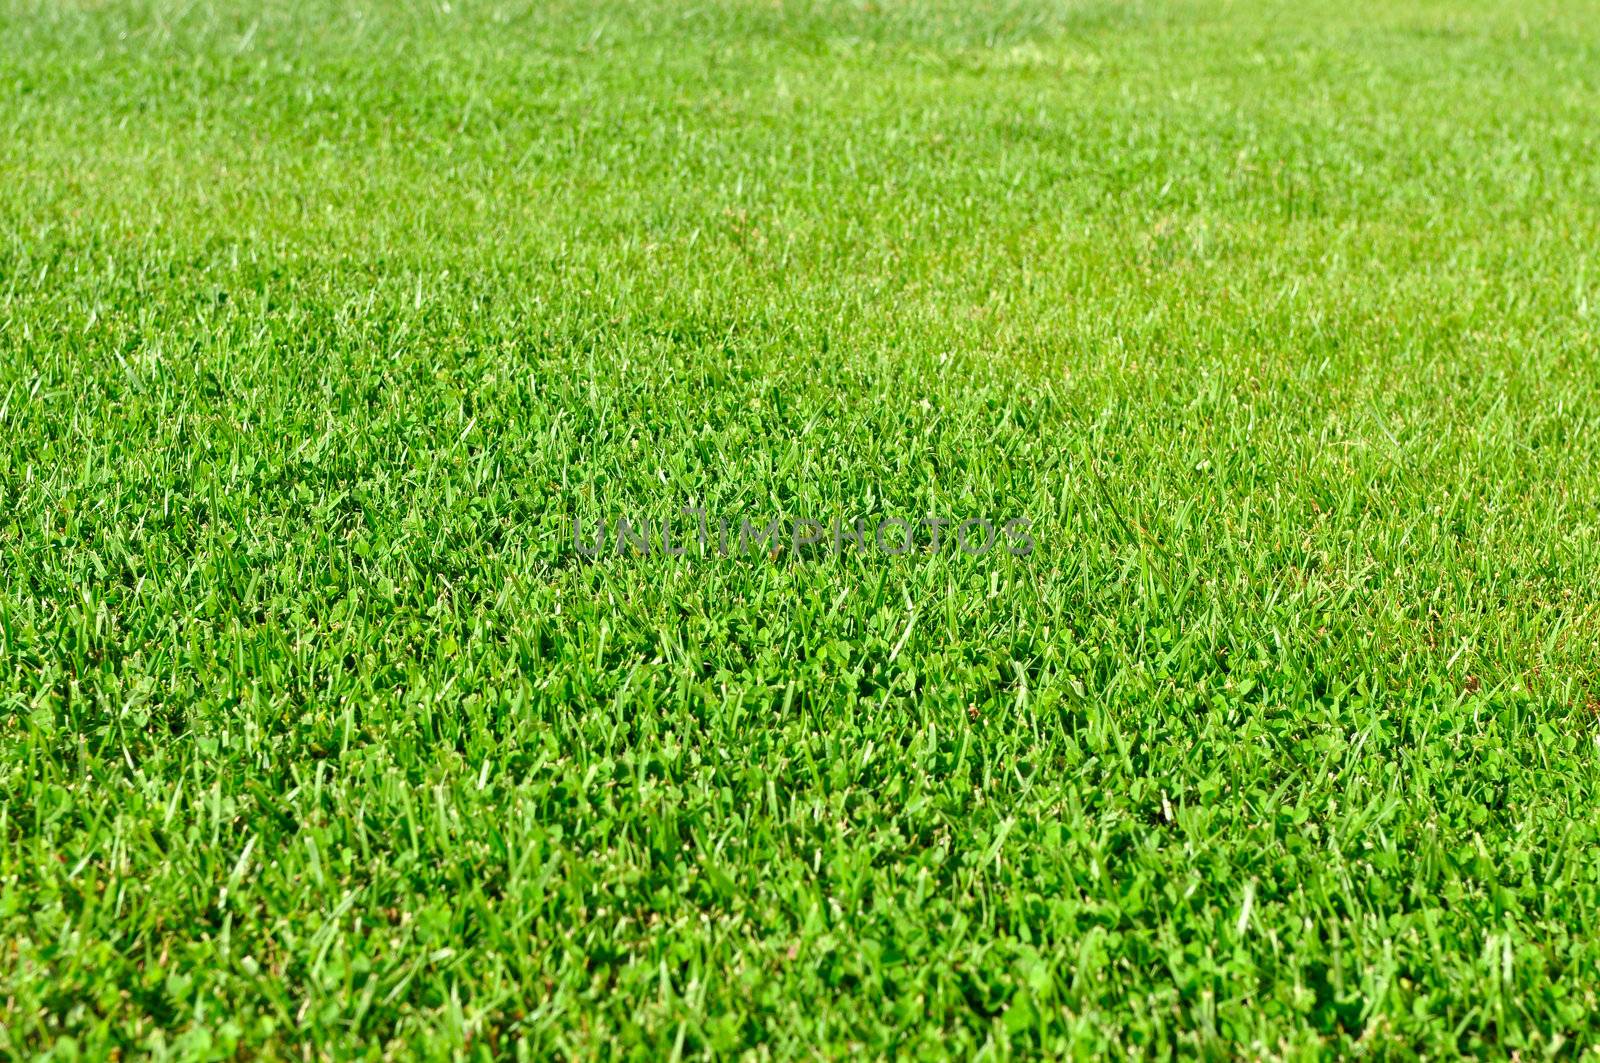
320	323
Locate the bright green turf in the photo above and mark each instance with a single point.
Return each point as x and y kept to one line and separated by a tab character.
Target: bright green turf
319	322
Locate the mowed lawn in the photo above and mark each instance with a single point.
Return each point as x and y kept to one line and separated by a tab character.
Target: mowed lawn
322	322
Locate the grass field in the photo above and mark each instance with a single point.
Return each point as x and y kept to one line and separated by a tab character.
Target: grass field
322	323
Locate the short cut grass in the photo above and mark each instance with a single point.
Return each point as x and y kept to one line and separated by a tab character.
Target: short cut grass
320	324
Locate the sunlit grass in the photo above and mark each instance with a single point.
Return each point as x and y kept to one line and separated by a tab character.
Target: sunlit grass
321	323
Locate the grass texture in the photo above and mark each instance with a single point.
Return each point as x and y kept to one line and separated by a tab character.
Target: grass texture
321	323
